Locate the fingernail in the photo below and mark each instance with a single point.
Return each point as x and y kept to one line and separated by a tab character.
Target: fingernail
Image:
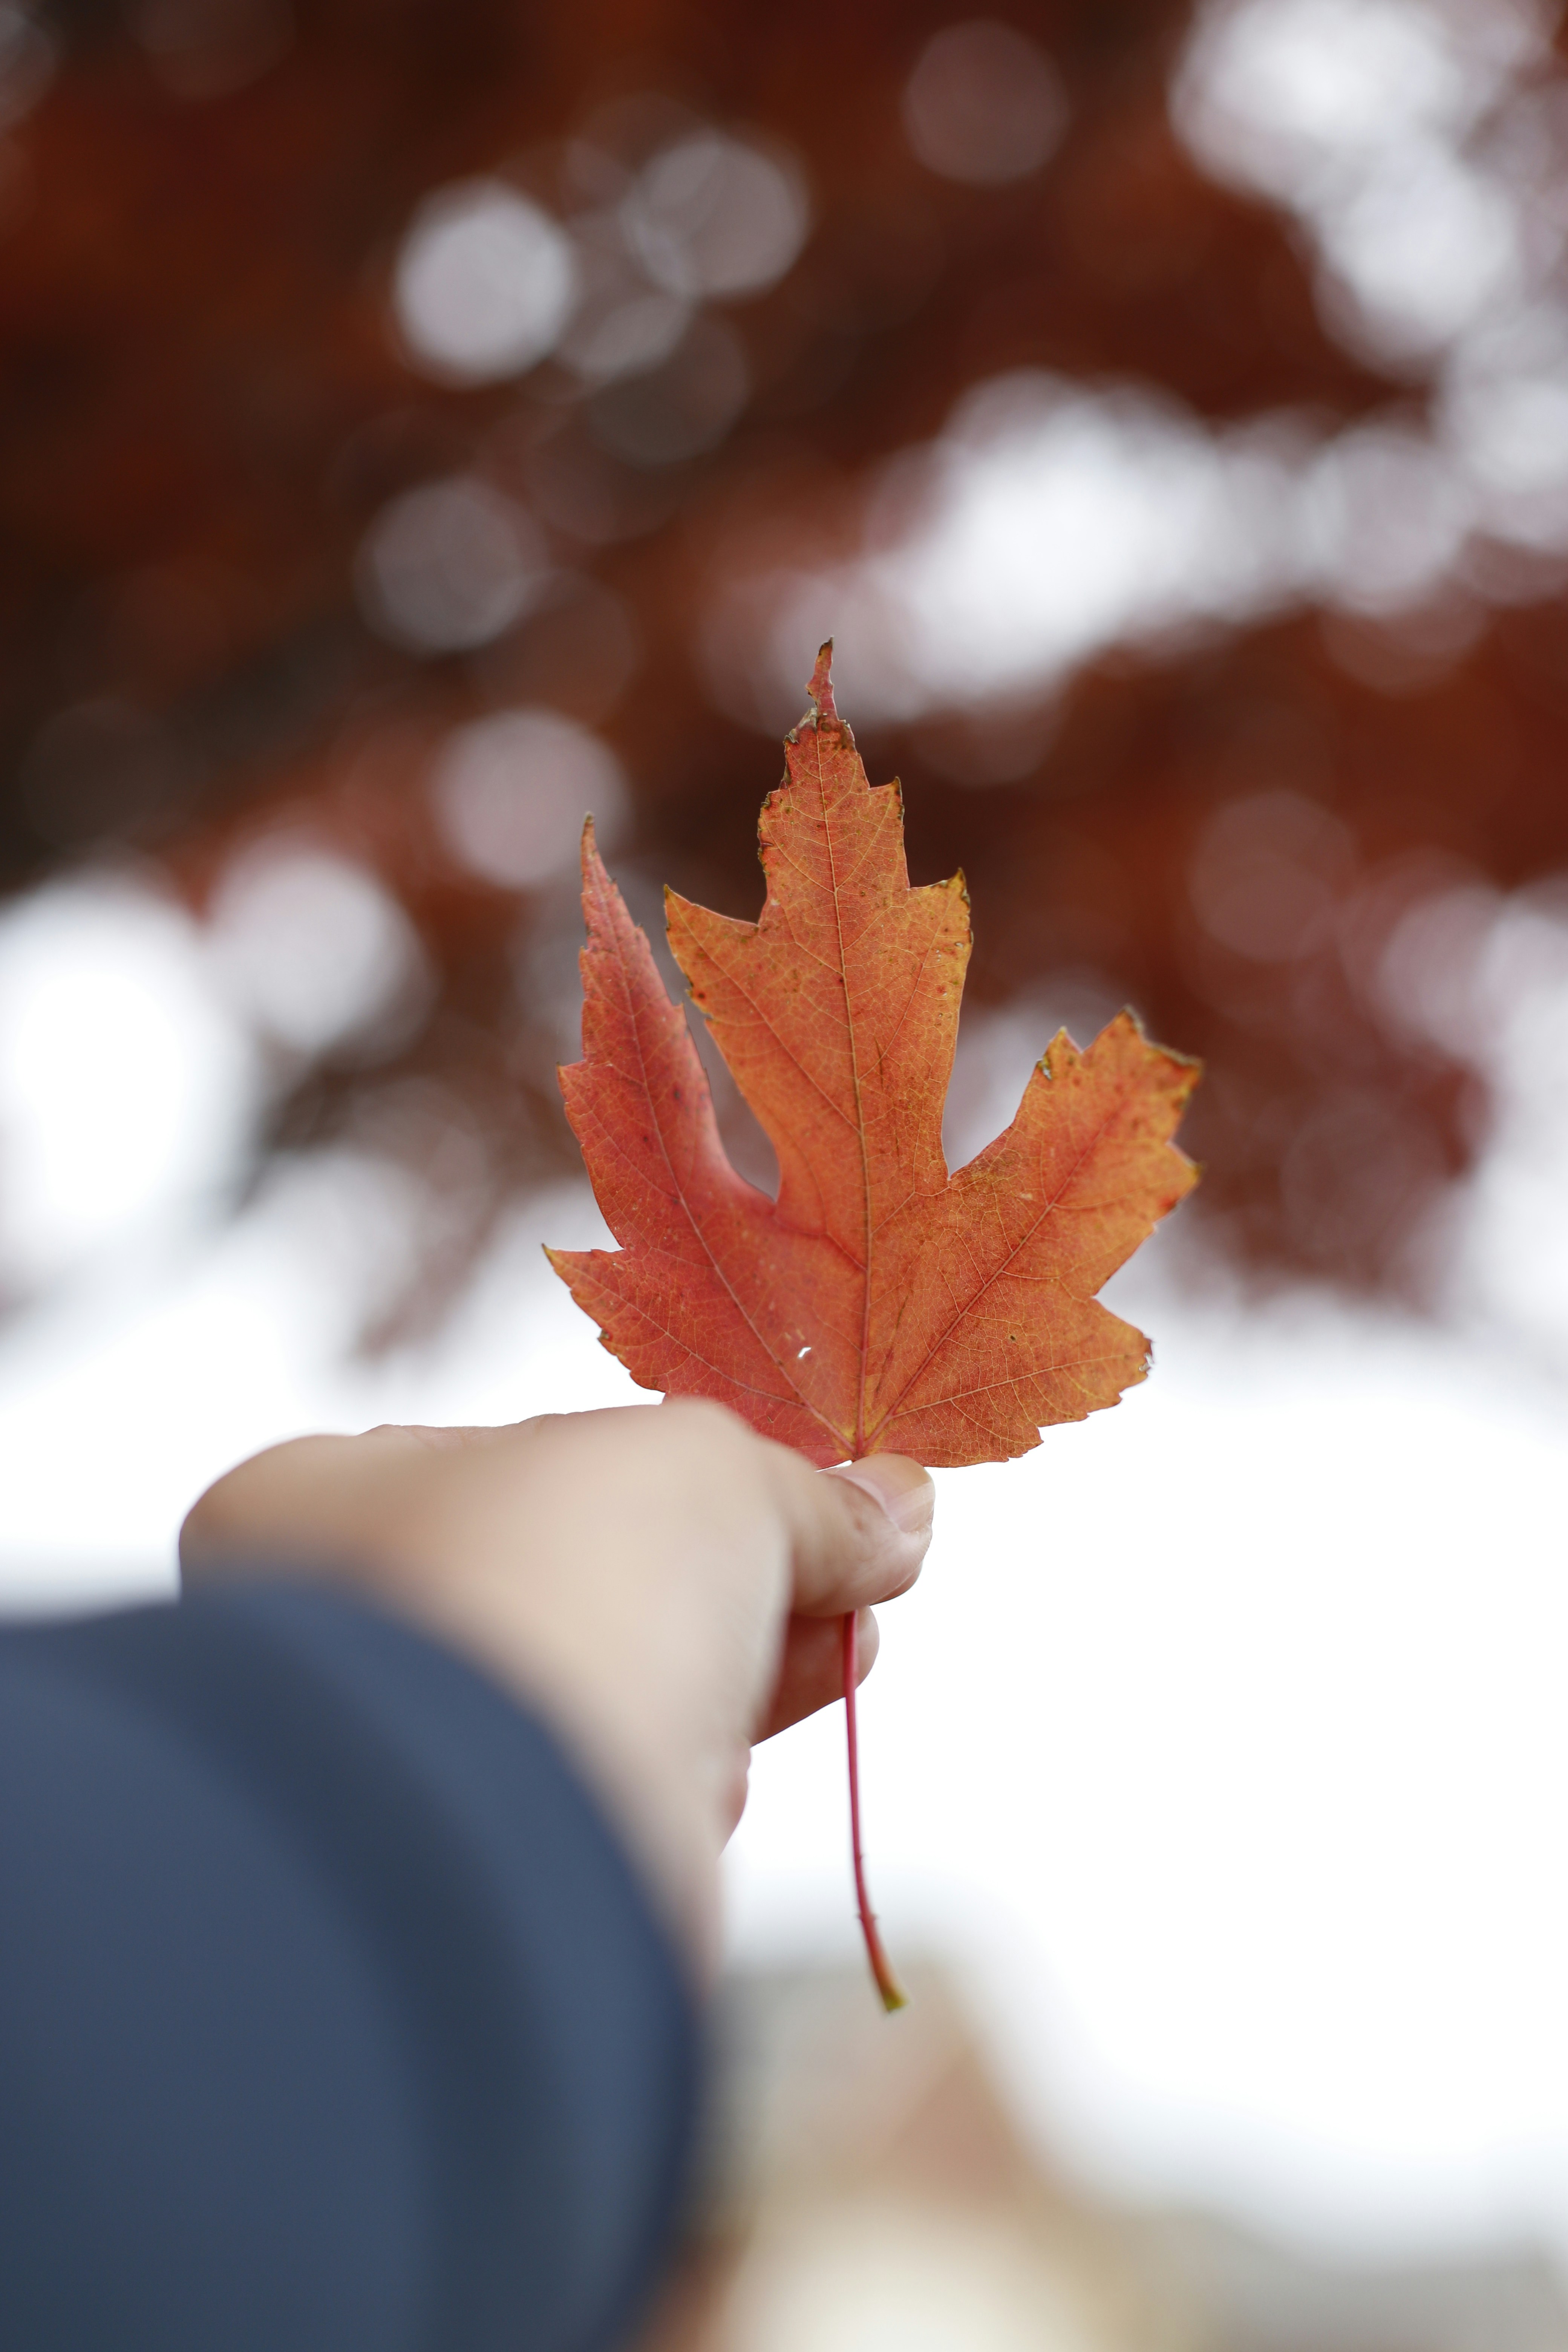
906	1492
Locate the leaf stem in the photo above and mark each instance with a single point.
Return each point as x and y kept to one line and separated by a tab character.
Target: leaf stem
893	1995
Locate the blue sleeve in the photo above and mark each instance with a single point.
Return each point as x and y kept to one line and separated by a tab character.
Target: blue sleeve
331	2017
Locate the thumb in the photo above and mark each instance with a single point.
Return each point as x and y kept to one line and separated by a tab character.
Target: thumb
858	1533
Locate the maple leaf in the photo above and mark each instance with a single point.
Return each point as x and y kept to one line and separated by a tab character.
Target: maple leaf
878	1304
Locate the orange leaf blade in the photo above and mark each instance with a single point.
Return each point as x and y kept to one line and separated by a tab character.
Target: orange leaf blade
1011	1340
878	1303
690	1303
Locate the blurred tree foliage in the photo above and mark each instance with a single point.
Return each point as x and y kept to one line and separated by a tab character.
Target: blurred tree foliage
204	404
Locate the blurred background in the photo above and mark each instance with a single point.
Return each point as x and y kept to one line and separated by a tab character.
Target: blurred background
422	425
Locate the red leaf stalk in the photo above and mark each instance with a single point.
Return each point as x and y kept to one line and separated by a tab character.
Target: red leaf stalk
893	1995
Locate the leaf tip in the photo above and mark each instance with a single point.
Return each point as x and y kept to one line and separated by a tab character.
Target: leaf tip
821	687
824	710
590	851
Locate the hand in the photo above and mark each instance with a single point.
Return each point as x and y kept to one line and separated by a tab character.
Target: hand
659	1583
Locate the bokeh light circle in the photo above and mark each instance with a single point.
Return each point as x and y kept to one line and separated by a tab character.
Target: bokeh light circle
984	104
510	791
448	566
484	285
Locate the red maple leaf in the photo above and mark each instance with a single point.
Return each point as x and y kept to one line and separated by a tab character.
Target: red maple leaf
878	1304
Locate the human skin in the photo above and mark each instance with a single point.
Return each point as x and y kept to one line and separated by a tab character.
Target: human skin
659	1583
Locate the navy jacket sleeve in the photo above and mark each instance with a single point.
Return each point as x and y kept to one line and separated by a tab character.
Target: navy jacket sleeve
331	2017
